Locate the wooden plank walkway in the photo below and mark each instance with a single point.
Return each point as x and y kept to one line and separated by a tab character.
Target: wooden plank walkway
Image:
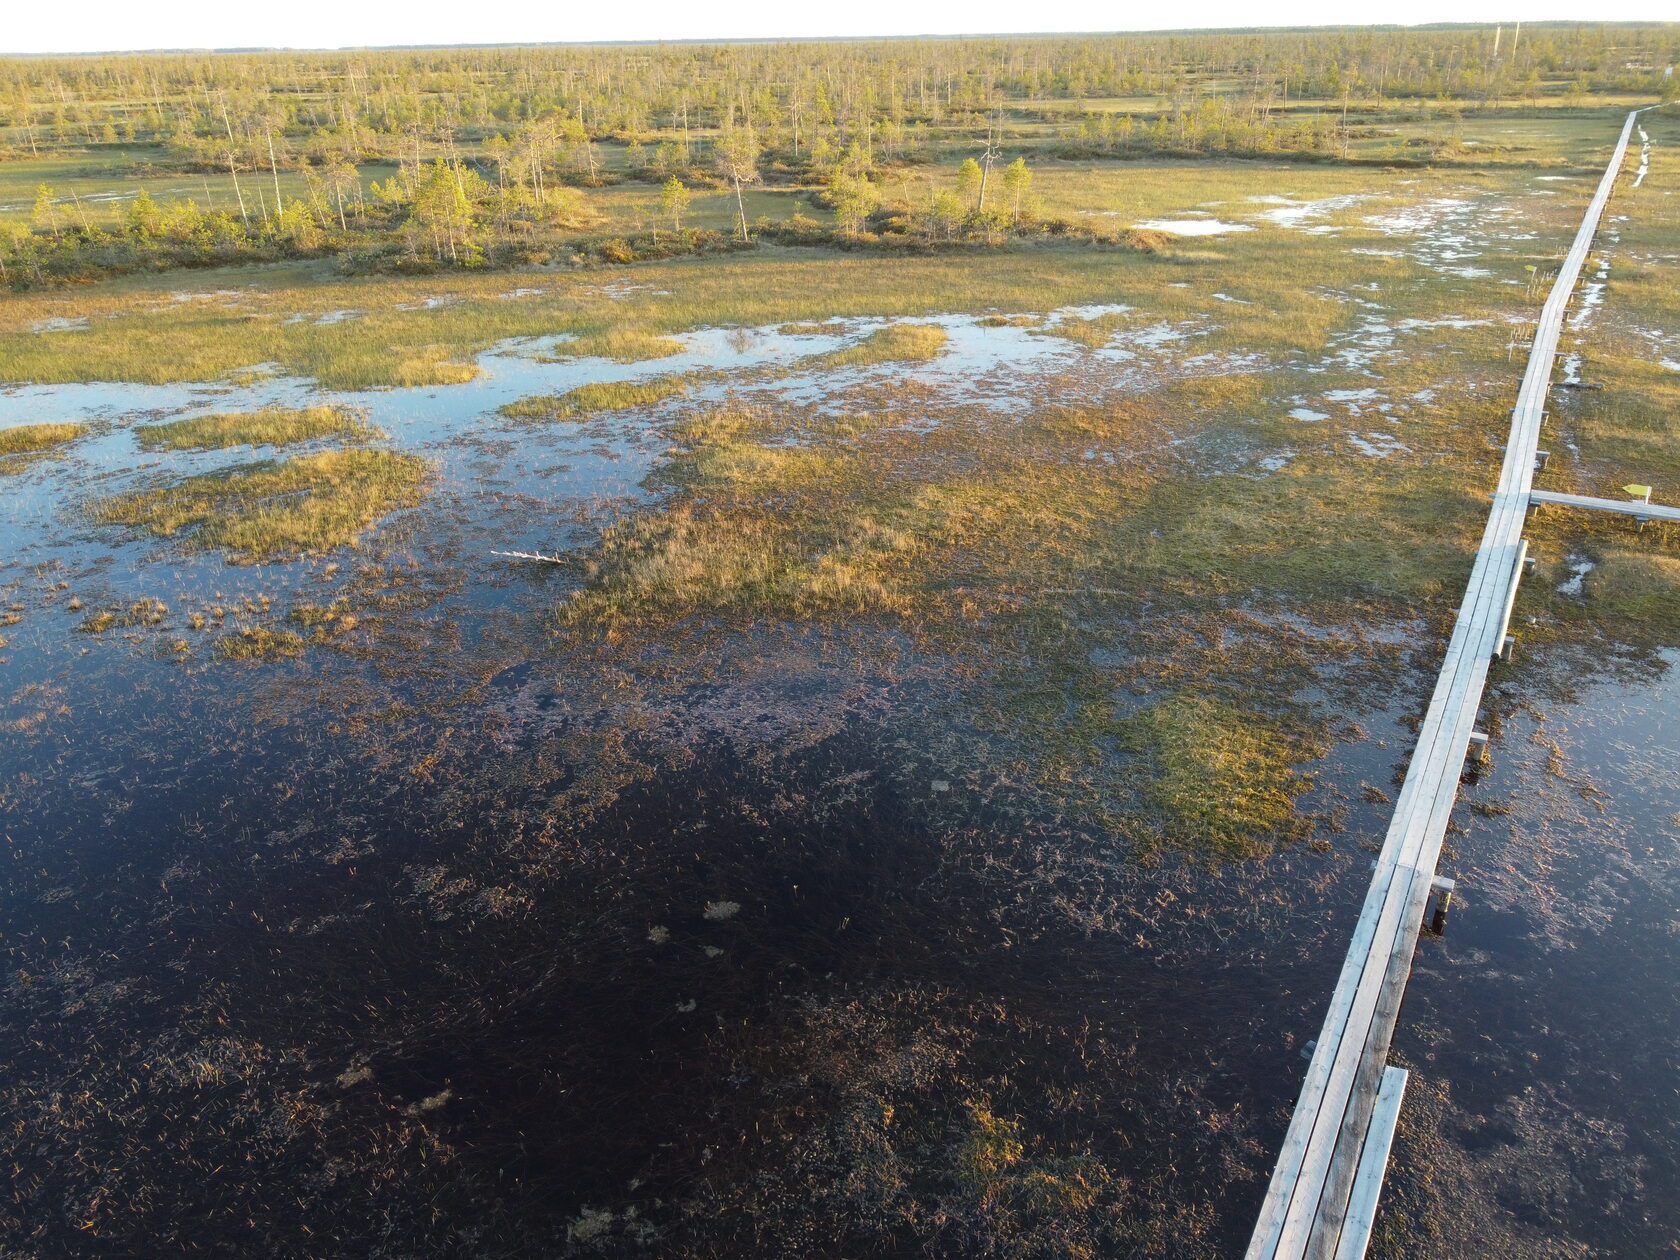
1321	1197
1627	507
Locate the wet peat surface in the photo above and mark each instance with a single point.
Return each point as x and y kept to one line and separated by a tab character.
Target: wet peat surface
457	935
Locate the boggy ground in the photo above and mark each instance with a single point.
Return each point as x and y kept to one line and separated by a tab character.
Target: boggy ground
922	814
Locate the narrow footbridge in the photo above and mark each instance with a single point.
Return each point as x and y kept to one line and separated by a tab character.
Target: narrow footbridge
1323	1194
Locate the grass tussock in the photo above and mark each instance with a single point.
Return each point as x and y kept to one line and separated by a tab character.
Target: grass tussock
271	426
25	443
1148	240
269	510
595	397
431	366
621	345
896	343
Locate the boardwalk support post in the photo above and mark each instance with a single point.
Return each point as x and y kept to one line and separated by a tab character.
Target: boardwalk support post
1440	901
1477	753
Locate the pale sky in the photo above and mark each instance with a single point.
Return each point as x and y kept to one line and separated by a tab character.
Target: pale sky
31	26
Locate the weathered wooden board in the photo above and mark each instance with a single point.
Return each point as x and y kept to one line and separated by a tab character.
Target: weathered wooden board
1643	511
1373	1164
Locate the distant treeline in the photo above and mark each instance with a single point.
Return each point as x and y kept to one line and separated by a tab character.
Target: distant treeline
364	104
445	214
489	151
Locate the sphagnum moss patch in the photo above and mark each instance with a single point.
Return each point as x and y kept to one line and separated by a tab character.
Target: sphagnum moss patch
1220	779
272	510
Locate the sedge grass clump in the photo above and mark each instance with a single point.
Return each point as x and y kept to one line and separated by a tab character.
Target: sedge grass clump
896	343
325	622
258	643
595	397
271	426
742	466
1093	333
1221	779
760	536
24	444
141	613
270	510
414	367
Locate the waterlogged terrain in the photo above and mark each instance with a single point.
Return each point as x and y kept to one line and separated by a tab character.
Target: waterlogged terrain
918	801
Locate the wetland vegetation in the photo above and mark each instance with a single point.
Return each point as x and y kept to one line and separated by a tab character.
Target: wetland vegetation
23	444
274	509
271	426
891	774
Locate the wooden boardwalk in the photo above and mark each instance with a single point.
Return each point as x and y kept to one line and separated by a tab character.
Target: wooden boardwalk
1624	507
1323	1194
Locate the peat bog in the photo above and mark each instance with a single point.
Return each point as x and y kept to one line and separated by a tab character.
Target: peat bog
921	806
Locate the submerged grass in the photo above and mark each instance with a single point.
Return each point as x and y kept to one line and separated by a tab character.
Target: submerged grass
272	426
594	397
268	510
992	536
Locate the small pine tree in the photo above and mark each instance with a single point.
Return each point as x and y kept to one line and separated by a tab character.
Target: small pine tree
44	217
673	202
1017	183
